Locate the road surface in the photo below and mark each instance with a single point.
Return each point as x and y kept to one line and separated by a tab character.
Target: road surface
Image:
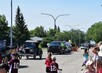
70	63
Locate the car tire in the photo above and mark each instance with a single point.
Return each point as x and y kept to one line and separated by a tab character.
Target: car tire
34	56
40	56
27	57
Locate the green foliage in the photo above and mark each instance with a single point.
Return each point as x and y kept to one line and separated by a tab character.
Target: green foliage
38	31
4	29
95	32
46	40
20	30
51	33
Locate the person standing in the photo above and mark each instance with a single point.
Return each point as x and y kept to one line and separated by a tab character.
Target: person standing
14	63
89	67
48	61
85	55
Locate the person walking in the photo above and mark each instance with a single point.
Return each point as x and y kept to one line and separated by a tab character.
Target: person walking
14	63
48	61
54	67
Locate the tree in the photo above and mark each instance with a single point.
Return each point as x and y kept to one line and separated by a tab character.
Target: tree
39	31
95	32
51	33
4	29
21	32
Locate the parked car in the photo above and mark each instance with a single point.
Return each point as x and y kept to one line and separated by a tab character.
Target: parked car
58	47
31	48
83	46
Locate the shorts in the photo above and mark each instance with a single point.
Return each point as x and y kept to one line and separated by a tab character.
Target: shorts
47	69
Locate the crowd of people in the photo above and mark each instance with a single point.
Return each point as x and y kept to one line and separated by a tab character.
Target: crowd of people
93	64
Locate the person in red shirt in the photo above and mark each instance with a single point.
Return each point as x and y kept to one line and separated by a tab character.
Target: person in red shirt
48	61
14	63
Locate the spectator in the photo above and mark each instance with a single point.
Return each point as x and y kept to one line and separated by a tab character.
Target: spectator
95	50
89	67
85	55
99	61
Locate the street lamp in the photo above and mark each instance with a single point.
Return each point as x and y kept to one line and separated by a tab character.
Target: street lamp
11	27
55	18
72	30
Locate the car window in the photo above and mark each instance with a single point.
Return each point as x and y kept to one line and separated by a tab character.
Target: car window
55	43
31	45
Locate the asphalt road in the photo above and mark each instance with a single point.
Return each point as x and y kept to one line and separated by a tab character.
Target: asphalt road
70	63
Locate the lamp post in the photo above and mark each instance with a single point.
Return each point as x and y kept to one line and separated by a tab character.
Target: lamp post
11	27
55	18
72	31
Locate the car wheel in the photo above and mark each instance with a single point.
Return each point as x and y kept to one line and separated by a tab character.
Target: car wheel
34	56
40	56
27	57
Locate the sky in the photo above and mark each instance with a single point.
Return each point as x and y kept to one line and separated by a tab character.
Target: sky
82	13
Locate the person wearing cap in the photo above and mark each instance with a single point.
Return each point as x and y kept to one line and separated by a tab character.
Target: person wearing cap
89	67
4	68
54	67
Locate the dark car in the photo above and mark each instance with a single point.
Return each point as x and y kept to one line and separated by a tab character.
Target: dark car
31	48
55	47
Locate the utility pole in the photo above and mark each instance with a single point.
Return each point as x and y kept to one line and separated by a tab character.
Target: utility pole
11	41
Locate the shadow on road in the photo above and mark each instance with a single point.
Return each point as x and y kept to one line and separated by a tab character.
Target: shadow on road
36	59
23	66
63	54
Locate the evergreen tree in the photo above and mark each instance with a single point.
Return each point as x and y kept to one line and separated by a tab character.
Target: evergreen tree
21	32
4	29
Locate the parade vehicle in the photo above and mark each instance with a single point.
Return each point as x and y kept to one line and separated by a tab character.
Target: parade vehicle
31	49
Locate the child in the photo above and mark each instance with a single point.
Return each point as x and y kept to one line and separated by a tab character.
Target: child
48	61
14	63
89	67
54	66
85	55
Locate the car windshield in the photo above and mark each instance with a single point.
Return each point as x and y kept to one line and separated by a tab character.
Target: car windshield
31	45
55	43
